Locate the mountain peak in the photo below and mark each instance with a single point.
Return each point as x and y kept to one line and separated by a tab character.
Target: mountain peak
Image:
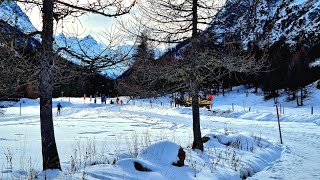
13	15
61	36
89	39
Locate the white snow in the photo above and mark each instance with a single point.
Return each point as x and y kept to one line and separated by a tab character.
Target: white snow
315	63
99	141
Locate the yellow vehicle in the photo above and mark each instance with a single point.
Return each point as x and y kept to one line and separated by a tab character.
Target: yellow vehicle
202	102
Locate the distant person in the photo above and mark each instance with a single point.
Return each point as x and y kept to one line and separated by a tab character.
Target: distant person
210	99
103	99
59	107
111	102
121	102
117	100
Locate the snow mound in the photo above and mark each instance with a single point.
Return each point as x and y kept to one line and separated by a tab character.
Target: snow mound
164	153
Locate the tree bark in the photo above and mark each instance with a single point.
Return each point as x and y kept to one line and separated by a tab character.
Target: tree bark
297	98
50	155
223	88
197	140
301	93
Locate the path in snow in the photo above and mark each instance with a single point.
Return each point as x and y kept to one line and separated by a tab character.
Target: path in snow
301	160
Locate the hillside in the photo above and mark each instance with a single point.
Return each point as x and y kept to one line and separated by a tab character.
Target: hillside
267	21
288	31
13	15
284	32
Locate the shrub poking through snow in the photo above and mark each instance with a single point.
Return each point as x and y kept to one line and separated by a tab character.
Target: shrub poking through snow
205	139
181	156
139	167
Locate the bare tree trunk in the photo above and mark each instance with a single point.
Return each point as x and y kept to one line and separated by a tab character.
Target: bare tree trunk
301	93
197	139
50	155
297	97
223	88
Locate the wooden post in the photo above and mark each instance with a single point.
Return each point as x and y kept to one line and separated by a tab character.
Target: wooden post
280	108
279	124
244	108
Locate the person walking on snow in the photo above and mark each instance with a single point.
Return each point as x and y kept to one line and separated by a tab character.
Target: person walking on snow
210	99
117	100
59	107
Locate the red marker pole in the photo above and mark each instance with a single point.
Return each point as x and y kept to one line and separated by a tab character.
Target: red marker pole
279	124
84	98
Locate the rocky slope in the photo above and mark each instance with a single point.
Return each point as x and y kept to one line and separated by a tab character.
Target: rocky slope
13	15
265	22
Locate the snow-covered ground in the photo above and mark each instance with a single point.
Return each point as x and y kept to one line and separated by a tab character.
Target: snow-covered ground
104	141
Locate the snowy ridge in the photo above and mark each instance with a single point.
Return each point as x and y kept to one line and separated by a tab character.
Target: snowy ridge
12	12
88	46
267	21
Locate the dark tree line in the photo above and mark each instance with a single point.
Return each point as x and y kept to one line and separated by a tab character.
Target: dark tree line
289	69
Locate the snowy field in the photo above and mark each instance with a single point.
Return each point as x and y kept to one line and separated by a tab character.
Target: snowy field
105	141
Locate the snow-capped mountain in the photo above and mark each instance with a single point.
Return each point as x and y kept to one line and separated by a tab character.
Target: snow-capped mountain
86	45
265	22
89	47
14	16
